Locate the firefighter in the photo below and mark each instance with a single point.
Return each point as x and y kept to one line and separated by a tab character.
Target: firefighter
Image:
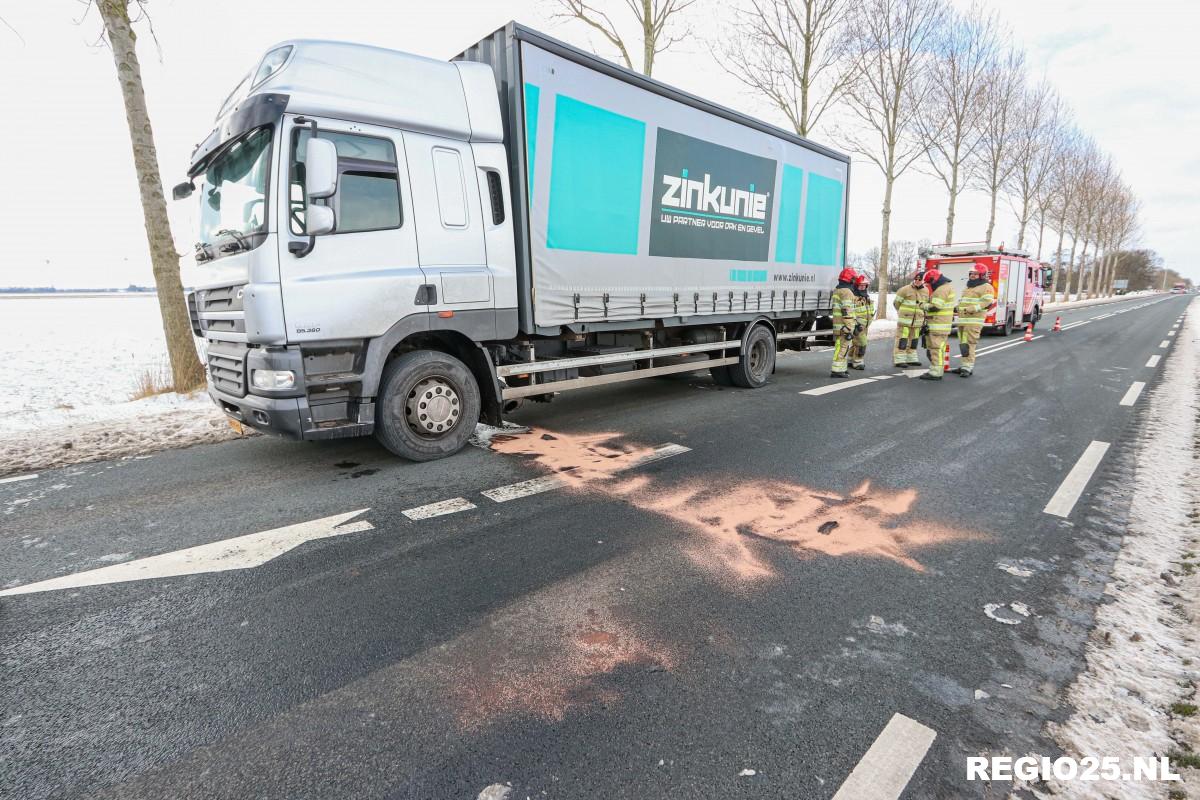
909	302
939	317
845	305
973	306
864	312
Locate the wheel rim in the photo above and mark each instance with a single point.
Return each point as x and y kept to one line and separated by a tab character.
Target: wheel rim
758	359
433	407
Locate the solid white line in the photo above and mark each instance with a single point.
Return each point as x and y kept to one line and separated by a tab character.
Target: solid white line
1153	362
1072	487
834	387
16	478
1164	343
887	767
515	491
439	509
1103	316
979	353
240	552
1131	396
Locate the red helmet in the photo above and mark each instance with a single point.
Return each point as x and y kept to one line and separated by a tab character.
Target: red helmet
932	275
862	281
847	275
979	269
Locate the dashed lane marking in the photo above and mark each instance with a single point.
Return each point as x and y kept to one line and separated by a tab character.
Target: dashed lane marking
1164	343
836	387
1171	332
441	508
1153	362
1063	501
16	478
886	768
240	552
1131	396
515	491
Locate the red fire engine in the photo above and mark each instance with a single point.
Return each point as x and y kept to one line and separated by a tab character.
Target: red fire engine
1019	281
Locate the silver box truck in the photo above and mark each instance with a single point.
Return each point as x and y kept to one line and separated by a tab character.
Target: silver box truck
396	245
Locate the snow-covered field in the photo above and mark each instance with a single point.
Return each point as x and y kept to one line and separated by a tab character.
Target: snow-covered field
68	366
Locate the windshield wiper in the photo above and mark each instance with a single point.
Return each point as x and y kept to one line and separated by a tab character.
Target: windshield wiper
203	252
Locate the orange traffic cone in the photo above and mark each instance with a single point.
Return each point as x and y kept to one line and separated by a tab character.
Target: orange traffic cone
1057	325
1029	332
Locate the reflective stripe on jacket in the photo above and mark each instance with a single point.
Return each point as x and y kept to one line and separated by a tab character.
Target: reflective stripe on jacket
975	301
865	311
940	309
909	303
844	306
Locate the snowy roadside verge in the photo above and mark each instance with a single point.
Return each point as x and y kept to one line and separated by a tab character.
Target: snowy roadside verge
59	437
1097	301
1143	654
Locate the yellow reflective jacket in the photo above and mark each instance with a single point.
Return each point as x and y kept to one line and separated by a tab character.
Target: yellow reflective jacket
939	311
974	303
844	306
909	303
865	311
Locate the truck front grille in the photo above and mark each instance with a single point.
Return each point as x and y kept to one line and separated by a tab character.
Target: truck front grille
227	367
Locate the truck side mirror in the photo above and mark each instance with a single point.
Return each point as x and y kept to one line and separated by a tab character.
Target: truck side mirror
320	169
183	190
319	220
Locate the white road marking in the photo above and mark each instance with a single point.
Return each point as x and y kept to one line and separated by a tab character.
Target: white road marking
882	377
16	478
1164	343
1072	487
240	552
887	767
979	353
439	509
1103	316
835	387
1131	396
515	491
916	373
1153	362
1076	324
1170	333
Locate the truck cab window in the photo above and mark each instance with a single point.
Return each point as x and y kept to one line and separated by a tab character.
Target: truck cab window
368	196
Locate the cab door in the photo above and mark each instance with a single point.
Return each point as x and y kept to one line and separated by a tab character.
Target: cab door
450	232
364	277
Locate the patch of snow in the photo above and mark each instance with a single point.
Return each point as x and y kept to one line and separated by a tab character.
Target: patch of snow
747	773
878	625
1143	647
497	791
1012	569
980	694
483	435
998	612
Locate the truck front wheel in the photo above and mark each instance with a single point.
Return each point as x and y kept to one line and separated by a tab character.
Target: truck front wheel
757	363
427	407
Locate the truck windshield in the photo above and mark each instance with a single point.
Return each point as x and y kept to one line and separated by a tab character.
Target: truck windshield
233	197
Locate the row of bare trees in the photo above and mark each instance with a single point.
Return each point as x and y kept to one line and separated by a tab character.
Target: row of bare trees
916	85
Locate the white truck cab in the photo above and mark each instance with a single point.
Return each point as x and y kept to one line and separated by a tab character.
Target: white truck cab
396	245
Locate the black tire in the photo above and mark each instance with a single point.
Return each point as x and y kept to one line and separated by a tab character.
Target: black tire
757	362
419	382
1037	315
721	376
1008	326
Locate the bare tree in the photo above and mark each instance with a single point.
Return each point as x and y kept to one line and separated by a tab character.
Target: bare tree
657	23
993	163
890	85
950	119
794	54
1060	200
186	369
1037	124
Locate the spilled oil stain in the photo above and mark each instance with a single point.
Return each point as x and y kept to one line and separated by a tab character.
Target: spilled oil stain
553	669
362	473
739	522
346	464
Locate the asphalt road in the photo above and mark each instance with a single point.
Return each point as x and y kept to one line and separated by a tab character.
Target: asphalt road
656	626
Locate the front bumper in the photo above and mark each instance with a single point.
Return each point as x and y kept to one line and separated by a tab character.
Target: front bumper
289	417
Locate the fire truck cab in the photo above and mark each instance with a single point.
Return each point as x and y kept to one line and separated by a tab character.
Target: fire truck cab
1019	281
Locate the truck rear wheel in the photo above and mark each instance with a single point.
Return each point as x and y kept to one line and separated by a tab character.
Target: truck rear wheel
427	407
757	363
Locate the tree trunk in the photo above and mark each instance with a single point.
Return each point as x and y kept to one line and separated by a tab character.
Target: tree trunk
1081	276
1057	266
186	369
1024	224
950	209
1070	270
647	38
881	305
1041	233
991	228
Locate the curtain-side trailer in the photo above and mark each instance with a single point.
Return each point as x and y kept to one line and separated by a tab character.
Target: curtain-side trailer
395	245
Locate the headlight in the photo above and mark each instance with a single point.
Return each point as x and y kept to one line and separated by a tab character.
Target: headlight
273	378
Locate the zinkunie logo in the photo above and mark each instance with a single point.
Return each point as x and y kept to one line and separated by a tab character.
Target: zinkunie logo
685	193
711	201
